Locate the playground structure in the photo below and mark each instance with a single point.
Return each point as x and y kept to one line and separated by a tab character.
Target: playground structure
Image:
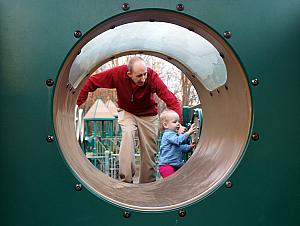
245	170
99	145
206	76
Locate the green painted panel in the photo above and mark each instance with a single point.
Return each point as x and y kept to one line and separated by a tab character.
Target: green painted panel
37	185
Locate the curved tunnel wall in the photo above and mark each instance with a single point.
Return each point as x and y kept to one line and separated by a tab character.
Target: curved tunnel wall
173	41
226	124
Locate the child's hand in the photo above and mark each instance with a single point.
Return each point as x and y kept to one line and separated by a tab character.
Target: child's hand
192	129
182	129
193	145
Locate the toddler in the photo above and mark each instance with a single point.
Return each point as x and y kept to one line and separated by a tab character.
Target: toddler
173	144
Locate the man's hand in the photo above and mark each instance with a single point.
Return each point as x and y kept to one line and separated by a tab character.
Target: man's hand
82	106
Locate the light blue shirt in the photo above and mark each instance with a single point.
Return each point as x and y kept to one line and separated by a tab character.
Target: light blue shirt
172	147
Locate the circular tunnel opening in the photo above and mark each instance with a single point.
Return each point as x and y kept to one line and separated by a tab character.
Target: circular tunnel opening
226	124
96	123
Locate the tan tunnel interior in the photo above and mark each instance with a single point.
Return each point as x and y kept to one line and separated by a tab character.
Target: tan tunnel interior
227	116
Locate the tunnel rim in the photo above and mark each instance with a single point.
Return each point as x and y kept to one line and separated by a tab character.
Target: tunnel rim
188	202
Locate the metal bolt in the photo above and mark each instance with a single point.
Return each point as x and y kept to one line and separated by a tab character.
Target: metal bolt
49	82
50	138
77	34
125	6
182	213
180	7
78	187
227	34
254	81
228	184
255	136
126	214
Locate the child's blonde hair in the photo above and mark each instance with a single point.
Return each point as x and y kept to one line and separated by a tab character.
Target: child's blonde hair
164	118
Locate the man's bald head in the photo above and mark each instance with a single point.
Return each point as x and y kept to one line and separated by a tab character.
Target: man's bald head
137	70
135	62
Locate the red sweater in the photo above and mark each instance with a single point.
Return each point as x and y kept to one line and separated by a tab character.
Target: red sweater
141	101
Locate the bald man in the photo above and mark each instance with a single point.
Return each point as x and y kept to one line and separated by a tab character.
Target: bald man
135	85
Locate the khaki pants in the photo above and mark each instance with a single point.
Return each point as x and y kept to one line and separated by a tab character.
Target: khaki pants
147	128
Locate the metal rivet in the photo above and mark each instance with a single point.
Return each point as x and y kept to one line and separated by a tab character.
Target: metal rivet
125	6
182	213
227	34
77	34
255	136
49	82
222	55
50	138
180	7
228	184
126	214
254	82
78	187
